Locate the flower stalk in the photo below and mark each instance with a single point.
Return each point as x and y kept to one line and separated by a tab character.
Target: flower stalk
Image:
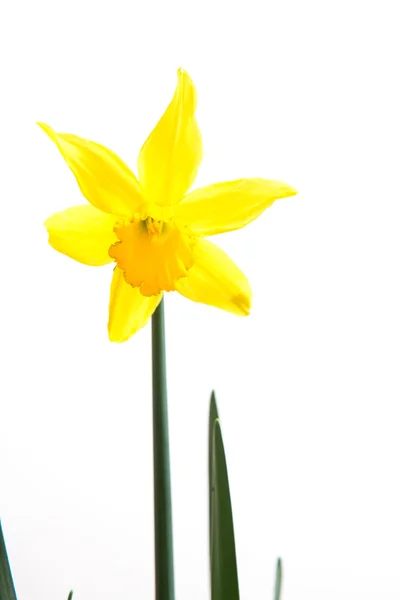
163	546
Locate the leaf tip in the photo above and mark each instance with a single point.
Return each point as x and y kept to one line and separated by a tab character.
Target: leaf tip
213	405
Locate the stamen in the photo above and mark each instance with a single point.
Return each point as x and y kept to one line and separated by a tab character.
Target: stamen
154	228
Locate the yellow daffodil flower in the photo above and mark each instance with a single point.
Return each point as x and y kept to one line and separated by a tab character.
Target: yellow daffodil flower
151	227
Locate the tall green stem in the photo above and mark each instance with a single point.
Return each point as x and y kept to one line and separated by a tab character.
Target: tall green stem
164	560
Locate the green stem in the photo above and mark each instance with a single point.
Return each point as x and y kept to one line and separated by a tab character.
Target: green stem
278	580
164	560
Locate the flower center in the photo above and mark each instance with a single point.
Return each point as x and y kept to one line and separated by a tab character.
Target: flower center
153	254
154	228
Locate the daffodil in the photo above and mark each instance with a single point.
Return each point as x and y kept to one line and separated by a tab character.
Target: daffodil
151	226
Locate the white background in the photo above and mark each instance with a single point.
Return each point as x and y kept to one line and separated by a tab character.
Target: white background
308	385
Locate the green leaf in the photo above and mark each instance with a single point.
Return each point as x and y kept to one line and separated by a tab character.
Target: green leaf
70	595
211	422
7	591
224	578
278	580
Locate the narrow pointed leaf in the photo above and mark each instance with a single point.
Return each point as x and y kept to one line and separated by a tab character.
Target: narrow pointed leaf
213	416
7	591
224	578
278	580
70	595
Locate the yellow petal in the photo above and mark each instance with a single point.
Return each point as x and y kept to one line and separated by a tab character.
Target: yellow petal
153	255
104	179
170	157
230	205
129	310
215	279
83	233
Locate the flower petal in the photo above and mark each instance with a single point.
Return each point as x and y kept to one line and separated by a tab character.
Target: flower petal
170	157
129	310
104	179
230	205
83	233
215	279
